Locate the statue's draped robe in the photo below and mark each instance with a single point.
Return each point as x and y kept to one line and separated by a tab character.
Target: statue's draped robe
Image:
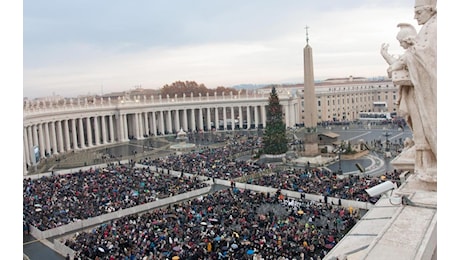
421	60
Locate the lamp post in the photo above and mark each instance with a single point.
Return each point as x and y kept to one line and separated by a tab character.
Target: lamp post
339	151
387	146
340	161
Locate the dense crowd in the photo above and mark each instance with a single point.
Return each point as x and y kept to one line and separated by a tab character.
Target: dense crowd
57	200
217	162
228	224
324	182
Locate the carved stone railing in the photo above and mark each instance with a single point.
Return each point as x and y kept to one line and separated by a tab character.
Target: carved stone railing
74	104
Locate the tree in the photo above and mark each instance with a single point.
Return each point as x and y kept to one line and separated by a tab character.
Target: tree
274	138
188	88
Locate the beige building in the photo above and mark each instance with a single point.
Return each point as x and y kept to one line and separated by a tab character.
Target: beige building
341	99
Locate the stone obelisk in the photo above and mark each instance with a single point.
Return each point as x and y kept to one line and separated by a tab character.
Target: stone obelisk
309	103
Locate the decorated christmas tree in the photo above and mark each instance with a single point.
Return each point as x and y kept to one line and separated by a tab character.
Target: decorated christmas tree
274	138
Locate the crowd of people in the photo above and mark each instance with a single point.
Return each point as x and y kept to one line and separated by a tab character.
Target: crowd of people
50	202
227	224
324	182
219	162
230	224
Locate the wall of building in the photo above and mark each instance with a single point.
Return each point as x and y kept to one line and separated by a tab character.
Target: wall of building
53	127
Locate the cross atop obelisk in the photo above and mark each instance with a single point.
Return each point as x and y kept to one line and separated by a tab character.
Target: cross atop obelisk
306	28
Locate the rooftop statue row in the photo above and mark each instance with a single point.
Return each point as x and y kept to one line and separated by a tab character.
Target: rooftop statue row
120	100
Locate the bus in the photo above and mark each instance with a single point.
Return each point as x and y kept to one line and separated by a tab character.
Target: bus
376	116
380	106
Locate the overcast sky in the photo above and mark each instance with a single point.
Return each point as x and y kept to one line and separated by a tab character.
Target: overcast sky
94	47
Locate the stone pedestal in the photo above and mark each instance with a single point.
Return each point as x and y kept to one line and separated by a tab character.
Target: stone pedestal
405	161
311	150
310	144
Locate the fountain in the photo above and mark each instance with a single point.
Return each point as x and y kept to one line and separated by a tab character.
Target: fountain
182	144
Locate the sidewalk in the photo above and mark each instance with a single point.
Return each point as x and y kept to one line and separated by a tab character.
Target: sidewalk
37	250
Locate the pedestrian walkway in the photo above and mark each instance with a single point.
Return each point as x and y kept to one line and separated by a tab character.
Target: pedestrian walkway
373	165
38	250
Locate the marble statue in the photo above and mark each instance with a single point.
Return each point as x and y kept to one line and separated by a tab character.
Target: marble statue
406	103
420	59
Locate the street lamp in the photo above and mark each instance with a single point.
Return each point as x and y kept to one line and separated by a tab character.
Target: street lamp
340	162
339	151
387	146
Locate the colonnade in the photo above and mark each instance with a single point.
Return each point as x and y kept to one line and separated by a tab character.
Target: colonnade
51	134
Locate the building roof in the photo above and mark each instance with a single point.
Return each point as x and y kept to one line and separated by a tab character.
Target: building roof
330	134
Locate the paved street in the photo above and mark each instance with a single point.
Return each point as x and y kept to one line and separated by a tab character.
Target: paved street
36	250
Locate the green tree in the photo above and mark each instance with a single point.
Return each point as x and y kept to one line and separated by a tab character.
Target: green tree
274	138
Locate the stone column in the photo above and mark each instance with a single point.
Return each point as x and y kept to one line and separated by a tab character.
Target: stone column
146	123
169	121
27	135
141	125
185	120
292	114
54	138
111	132
216	118
104	130
81	133
264	116
154	123
208	118
287	116
232	113
162	123
193	119
66	135
120	128
35	135
200	119
137	127
125	128
256	116
60	139
240	115
89	132
74	134
224	114
41	140
177	120
248	120
47	137
97	131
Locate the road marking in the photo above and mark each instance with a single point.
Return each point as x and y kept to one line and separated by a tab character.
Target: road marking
358	136
395	136
32	241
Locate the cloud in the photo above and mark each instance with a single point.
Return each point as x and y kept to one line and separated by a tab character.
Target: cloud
220	46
